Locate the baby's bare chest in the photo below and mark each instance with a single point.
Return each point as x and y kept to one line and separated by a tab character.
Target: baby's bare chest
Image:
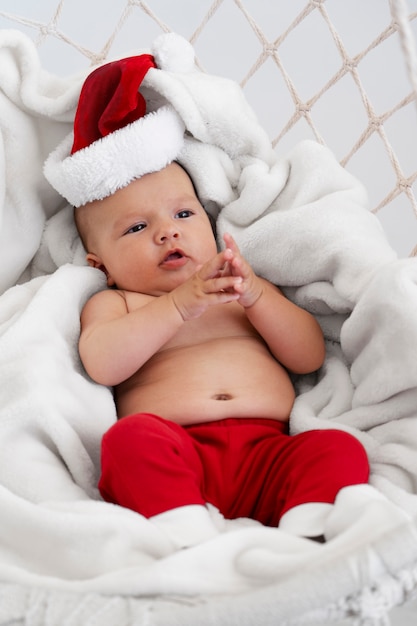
220	321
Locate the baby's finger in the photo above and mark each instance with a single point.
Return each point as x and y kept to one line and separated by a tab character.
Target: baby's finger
213	267
223	284
240	266
231	243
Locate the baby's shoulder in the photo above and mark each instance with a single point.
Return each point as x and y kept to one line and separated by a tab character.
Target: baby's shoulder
133	299
107	295
111	303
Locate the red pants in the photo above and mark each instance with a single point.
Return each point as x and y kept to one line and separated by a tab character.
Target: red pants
245	467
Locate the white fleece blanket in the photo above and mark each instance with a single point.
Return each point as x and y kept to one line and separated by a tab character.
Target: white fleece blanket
303	223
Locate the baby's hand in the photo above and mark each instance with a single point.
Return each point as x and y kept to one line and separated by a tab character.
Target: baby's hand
210	285
250	286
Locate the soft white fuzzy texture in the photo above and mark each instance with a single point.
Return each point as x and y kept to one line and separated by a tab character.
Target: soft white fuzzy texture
111	163
173	53
302	221
306	520
186	526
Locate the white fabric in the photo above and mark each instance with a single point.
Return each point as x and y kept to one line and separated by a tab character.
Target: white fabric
306	520
350	504
112	162
186	526
302	221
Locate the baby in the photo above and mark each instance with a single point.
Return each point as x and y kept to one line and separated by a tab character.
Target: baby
198	348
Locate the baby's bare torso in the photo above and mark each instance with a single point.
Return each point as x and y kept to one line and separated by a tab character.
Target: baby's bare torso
215	367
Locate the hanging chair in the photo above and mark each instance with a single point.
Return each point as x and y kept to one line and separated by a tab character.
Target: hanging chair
301	123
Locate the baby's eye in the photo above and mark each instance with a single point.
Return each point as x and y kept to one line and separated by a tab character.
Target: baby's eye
184	213
136	228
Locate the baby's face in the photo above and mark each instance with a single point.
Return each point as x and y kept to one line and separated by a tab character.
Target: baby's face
152	235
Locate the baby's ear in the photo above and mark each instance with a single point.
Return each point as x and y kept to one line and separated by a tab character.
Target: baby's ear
94	261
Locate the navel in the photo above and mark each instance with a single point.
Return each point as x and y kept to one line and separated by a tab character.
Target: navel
222	396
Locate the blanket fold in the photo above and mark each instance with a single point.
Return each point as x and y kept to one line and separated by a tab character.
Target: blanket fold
35	108
303	222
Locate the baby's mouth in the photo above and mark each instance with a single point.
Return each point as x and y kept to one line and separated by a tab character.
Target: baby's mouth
174	258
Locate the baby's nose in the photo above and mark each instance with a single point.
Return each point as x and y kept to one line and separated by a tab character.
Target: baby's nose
169	232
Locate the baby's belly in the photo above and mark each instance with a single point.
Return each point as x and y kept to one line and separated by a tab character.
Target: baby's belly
236	377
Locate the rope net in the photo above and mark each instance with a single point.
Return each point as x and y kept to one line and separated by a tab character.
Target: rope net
342	72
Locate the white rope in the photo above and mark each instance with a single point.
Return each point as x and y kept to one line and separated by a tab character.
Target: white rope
269	57
400	14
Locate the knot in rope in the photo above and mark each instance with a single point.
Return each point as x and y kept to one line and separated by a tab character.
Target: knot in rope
269	48
303	108
375	122
403	184
349	64
47	29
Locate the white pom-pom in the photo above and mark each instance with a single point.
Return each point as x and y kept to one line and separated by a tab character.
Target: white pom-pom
173	53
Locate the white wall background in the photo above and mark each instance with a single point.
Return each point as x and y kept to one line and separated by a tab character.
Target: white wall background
285	71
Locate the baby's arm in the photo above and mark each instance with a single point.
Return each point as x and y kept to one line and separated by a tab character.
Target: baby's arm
116	342
292	334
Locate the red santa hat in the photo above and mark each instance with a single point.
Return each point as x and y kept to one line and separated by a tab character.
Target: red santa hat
115	140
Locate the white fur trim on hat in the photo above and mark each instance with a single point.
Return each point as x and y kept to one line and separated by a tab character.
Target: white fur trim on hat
112	162
173	53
